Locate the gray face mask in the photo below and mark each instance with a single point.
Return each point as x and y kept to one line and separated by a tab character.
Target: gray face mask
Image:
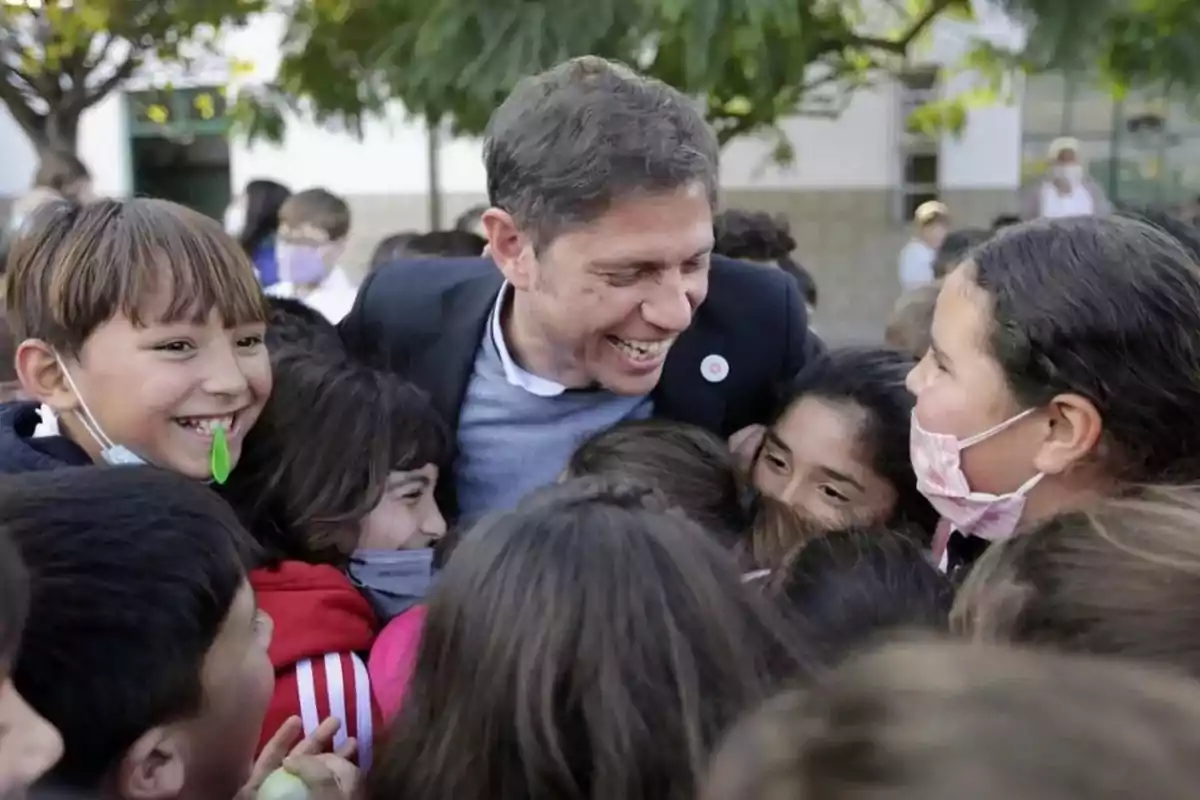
393	581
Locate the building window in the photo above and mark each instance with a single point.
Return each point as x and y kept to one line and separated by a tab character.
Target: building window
918	177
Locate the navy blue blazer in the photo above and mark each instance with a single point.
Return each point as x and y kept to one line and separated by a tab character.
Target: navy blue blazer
425	319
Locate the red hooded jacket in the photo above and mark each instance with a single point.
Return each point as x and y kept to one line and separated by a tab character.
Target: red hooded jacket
323	626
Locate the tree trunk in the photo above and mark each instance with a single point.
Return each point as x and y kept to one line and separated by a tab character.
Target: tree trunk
433	144
61	132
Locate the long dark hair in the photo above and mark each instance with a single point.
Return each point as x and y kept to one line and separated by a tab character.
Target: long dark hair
592	645
263	201
318	459
1108	309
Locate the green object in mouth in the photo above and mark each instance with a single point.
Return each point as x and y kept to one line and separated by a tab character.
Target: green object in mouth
219	462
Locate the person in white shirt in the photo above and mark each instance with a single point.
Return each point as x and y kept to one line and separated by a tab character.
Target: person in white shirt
313	226
1066	190
932	221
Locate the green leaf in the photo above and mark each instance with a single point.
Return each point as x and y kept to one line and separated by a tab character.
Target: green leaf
221	463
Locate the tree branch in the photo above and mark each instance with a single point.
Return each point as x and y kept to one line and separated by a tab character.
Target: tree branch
110	83
900	46
12	97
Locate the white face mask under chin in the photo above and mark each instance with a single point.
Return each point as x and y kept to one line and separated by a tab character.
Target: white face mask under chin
110	452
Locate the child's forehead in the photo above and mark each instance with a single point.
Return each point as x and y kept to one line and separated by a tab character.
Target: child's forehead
304	232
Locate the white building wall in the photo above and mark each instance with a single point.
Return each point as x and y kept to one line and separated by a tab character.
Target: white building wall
17	158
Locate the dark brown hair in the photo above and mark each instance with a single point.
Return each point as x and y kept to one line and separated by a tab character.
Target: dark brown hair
927	720
591	644
697	474
314	211
76	267
14	601
1119	578
850	587
318	459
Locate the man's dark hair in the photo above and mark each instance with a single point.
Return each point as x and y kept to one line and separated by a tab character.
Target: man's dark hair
134	570
570	142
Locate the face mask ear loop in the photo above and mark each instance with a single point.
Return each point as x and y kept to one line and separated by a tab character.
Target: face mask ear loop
86	417
995	429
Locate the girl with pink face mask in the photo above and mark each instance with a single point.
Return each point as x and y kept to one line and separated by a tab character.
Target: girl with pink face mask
1065	363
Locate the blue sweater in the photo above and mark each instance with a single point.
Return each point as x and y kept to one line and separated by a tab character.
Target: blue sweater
511	441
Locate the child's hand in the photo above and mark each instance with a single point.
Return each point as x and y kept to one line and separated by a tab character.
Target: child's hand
745	444
327	776
286	744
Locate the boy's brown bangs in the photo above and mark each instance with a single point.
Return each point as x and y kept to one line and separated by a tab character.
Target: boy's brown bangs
78	266
163	245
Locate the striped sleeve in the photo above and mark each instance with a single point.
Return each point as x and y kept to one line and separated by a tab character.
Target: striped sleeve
336	685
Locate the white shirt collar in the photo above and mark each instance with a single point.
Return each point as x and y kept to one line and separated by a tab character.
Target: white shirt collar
514	374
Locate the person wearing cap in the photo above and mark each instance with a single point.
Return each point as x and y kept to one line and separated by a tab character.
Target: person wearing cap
932	220
1066	190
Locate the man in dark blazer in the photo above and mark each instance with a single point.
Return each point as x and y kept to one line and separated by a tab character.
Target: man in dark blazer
600	301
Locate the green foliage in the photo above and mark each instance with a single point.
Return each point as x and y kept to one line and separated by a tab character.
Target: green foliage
754	62
60	57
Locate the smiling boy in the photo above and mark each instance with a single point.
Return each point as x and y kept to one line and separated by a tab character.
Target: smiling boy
140	326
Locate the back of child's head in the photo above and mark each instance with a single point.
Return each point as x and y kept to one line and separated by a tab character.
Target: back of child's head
392	248
446	244
955	248
1119	578
314	216
75	267
752	236
30	745
692	468
909	329
591	643
1001	221
139	644
319	458
293	323
928	720
848	588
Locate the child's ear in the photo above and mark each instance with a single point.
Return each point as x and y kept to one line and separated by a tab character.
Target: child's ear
153	768
42	376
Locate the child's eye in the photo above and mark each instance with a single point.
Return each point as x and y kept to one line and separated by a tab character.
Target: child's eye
176	347
250	341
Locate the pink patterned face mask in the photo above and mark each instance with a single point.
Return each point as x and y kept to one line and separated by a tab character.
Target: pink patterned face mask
937	462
